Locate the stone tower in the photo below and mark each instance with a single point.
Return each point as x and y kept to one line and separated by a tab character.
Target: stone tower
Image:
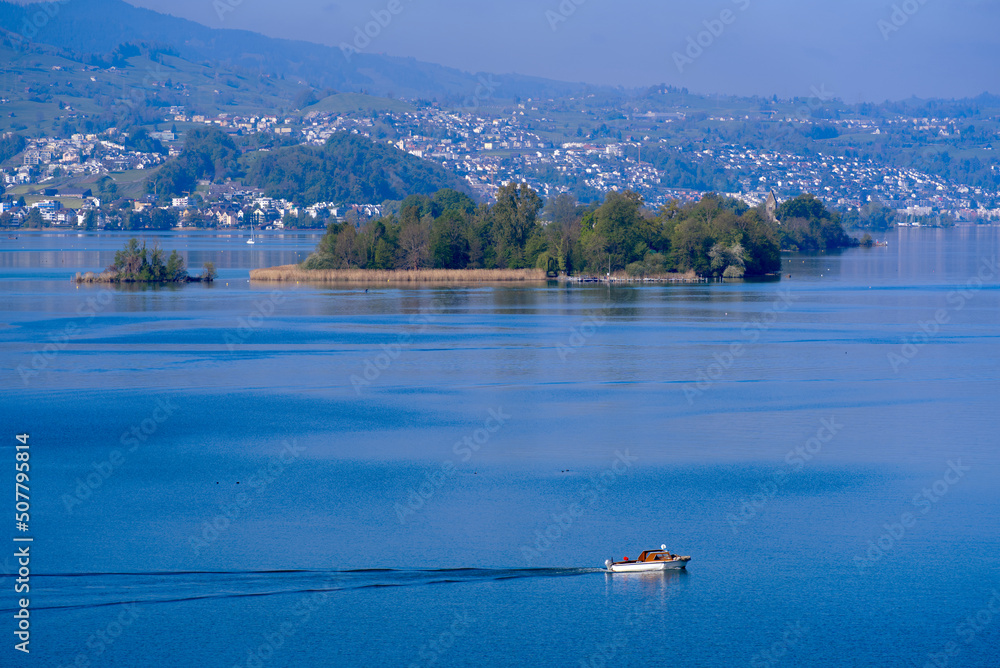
771	206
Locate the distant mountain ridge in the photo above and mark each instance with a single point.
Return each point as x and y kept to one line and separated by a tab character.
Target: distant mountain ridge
99	26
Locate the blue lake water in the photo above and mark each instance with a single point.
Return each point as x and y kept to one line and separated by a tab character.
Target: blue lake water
297	475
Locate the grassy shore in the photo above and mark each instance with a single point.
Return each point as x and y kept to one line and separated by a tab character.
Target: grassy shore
294	272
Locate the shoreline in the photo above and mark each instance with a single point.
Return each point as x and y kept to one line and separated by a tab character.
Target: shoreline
112	278
292	272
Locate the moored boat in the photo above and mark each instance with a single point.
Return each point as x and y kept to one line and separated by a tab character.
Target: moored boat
650	560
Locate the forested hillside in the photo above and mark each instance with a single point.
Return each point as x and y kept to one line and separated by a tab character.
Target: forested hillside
348	168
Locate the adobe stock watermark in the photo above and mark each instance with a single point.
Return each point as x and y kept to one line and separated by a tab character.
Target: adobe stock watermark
9	565
900	16
714	29
102	640
375	366
36	21
779	649
364	35
41	359
259	482
132	439
484	91
922	503
795	461
580	334
464	450
248	326
928	330
136	95
967	631
625	630
432	651
751	332
590	495
562	13
815	102
223	7
299	614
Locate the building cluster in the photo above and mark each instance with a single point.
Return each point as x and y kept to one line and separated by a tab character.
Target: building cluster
852	182
248	124
221	206
489	150
45	159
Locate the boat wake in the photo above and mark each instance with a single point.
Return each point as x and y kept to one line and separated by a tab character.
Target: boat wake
67	591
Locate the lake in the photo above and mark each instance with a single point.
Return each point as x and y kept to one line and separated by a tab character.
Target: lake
245	474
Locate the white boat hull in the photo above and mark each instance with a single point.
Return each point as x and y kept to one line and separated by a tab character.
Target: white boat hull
646	566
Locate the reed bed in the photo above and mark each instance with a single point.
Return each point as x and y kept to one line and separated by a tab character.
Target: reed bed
294	272
619	277
91	277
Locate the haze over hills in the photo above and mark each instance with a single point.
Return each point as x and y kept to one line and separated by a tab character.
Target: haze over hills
99	26
88	72
858	49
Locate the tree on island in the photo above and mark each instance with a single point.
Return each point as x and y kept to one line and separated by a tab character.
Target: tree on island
716	236
136	263
807	225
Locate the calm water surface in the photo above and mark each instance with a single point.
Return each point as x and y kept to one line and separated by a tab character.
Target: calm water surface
240	474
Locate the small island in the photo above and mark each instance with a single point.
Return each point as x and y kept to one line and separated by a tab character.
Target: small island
448	238
137	264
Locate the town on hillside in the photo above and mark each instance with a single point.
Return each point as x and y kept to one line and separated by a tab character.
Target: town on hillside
73	182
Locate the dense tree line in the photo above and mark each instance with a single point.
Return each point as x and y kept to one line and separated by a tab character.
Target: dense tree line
714	237
125	217
807	225
872	216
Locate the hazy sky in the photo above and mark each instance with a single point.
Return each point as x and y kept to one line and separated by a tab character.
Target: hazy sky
940	48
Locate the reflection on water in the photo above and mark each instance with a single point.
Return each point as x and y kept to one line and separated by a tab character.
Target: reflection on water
653	585
62	254
583	371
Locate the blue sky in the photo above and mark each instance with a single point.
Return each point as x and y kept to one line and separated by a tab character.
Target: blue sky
939	48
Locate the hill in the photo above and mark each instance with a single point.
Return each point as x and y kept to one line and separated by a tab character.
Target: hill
100	26
54	92
340	103
349	168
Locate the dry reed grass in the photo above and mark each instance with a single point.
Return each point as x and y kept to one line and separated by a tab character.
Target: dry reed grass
91	277
294	272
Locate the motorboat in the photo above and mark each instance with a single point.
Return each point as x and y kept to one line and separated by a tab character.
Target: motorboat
650	560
